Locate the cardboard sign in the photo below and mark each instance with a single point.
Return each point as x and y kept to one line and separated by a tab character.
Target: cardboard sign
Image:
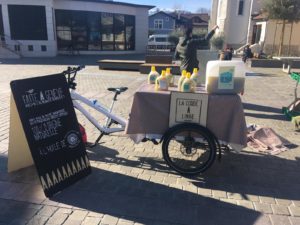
188	108
49	123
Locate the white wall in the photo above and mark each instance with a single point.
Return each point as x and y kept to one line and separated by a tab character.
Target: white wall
238	24
50	43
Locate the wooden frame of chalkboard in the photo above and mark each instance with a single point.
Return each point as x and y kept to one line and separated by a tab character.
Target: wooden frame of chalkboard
51	128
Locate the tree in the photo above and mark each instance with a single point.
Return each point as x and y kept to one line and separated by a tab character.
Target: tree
284	10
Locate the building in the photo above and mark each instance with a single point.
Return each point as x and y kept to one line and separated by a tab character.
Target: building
234	18
268	33
198	21
242	23
51	27
164	23
161	23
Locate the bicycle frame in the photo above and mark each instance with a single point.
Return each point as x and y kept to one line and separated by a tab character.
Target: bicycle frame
76	98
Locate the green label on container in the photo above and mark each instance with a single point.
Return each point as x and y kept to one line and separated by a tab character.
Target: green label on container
186	87
226	77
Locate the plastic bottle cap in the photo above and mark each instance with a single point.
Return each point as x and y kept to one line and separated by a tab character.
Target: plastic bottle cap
188	75
195	70
153	68
163	73
183	73
168	70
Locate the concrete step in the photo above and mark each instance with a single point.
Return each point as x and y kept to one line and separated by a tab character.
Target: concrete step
7	54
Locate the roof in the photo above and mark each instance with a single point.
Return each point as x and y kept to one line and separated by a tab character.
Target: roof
162	12
118	3
188	16
260	17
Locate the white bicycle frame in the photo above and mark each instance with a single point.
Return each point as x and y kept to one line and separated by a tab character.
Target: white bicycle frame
76	98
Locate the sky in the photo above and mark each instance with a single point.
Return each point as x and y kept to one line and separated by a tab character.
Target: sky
188	5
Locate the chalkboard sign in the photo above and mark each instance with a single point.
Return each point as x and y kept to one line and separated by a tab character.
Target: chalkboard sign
188	108
51	128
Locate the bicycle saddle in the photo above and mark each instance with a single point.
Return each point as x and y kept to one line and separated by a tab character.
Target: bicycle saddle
118	90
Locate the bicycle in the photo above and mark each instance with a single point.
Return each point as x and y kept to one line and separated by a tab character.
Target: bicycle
195	144
110	117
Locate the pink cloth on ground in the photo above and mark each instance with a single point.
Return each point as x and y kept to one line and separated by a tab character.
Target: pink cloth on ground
266	140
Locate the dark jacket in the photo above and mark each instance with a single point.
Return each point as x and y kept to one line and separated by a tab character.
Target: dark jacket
186	51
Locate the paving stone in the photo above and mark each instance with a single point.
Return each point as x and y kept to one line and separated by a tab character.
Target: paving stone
47	211
219	194
125	222
294	220
91	221
95	214
204	191
295	211
284	202
280	210
265	208
263	220
57	218
109	220
267	200
235	196
37	220
280	220
64	211
246	204
78	215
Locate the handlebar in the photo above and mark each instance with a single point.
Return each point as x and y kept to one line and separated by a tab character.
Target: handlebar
69	72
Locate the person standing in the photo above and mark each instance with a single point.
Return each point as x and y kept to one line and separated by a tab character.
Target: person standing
247	53
186	49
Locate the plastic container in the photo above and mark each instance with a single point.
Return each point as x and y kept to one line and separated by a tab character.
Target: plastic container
195	77
225	77
188	85
161	83
152	75
181	79
170	77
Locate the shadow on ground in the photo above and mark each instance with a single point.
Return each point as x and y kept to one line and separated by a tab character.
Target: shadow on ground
147	202
89	60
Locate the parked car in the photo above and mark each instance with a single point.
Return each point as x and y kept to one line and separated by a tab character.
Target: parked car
160	41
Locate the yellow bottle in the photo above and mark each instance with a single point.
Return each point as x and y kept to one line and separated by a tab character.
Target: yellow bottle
181	79
195	77
188	85
170	77
161	83
152	75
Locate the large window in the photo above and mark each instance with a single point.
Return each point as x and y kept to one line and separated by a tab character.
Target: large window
107	22
27	22
158	24
1	23
240	7
83	30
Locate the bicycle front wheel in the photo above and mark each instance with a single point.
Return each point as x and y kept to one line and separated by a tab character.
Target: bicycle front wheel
189	149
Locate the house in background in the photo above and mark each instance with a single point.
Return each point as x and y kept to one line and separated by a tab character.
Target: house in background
50	27
198	21
164	23
161	23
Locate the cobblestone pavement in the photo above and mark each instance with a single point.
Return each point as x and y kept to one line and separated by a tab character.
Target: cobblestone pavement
131	184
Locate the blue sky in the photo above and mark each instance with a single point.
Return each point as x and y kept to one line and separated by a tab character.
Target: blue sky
190	5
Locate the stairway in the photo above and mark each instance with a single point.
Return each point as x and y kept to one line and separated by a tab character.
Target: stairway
6	53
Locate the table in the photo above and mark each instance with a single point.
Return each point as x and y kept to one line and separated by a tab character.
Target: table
287	63
150	115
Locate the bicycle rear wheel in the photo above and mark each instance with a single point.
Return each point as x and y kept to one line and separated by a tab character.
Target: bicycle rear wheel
189	149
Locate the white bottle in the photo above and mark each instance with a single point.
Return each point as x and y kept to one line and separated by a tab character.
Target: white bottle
188	85
181	79
152	75
170	77
195	77
161	83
